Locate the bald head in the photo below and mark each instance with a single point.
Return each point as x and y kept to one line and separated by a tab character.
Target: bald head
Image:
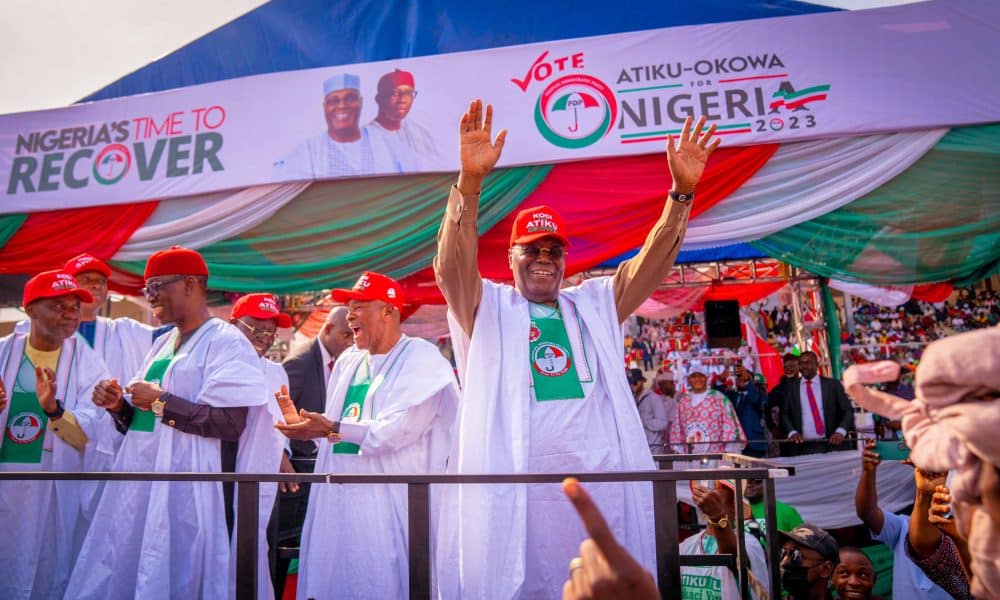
335	335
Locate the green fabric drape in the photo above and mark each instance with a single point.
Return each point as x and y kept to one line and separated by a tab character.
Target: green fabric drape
937	221
832	330
335	230
9	224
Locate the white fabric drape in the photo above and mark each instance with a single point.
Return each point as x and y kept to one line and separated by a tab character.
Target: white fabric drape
891	296
197	221
805	180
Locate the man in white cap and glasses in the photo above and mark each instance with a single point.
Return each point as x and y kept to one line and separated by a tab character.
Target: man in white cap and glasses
345	148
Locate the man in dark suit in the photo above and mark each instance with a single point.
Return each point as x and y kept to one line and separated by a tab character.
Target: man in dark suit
308	371
817	413
776	400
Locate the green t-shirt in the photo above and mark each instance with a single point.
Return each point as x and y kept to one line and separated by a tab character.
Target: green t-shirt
788	517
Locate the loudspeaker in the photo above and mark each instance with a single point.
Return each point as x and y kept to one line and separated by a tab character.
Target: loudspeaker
722	324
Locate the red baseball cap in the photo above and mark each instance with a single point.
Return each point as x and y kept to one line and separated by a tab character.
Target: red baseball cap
536	223
52	284
260	306
372	286
175	261
84	263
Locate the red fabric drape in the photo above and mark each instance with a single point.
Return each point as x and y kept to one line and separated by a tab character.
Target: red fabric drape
609	206
746	293
48	239
932	292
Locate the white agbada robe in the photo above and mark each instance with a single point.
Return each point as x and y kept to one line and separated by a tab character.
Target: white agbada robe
42	523
169	540
516	541
261	453
354	541
319	157
412	145
121	343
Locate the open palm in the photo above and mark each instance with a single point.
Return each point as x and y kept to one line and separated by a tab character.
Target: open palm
687	158
478	151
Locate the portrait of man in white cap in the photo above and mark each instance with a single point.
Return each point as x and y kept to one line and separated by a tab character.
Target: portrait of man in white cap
345	148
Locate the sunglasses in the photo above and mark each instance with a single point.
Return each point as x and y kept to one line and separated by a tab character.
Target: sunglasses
550	253
152	290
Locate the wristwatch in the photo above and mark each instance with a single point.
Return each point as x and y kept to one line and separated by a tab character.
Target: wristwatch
683	198
334	436
721	523
157	407
57	413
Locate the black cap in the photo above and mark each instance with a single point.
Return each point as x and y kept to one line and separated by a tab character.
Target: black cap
814	538
635	376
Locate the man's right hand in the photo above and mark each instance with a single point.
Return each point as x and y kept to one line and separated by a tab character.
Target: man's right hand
870	460
796	438
108	394
477	150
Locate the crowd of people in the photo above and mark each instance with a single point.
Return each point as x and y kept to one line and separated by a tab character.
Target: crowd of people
540	388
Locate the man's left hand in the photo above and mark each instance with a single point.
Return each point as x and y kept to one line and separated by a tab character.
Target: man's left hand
687	159
144	393
312	426
836	439
45	389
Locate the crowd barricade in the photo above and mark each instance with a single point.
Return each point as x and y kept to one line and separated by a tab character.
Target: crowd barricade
669	559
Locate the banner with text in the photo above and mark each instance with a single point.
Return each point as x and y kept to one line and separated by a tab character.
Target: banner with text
845	73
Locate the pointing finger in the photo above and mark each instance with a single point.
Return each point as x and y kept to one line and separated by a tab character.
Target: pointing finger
594	523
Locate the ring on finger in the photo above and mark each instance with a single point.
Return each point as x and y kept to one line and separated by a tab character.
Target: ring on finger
576	563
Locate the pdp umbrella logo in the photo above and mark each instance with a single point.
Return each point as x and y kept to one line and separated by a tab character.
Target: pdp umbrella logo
112	163
352	413
24	428
550	359
575	111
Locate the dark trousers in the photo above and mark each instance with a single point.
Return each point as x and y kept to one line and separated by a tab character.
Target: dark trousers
284	530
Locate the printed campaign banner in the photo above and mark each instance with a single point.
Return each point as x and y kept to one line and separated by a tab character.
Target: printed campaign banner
921	65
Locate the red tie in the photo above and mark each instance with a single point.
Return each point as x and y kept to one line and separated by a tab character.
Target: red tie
814	407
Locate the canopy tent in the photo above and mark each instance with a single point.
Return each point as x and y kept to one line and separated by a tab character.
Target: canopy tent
866	208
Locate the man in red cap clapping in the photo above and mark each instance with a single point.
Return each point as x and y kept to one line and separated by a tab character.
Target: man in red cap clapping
47	378
541	377
391	405
185	410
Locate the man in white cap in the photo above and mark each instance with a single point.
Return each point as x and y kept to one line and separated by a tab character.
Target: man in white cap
706	420
345	148
543	386
390	409
50	424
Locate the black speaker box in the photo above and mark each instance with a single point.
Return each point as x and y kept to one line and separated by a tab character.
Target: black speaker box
722	324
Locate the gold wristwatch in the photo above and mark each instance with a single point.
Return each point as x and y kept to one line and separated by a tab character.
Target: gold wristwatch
722	523
157	407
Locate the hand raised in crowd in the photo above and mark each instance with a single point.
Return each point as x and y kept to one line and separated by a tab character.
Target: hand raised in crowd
937	513
927	481
478	151
312	426
687	159
144	393
286	467
870	459
604	569
45	389
108	394
3	396
708	501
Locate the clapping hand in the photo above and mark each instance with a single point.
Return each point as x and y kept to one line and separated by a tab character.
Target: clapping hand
45	389
312	426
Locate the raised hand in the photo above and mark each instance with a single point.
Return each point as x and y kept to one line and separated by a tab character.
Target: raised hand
940	507
45	389
687	159
871	373
478	151
604	569
870	459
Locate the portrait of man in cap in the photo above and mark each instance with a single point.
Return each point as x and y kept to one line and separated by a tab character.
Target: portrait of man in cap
407	140
344	148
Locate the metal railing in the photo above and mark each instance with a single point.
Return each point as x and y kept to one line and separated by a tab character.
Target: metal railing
669	559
